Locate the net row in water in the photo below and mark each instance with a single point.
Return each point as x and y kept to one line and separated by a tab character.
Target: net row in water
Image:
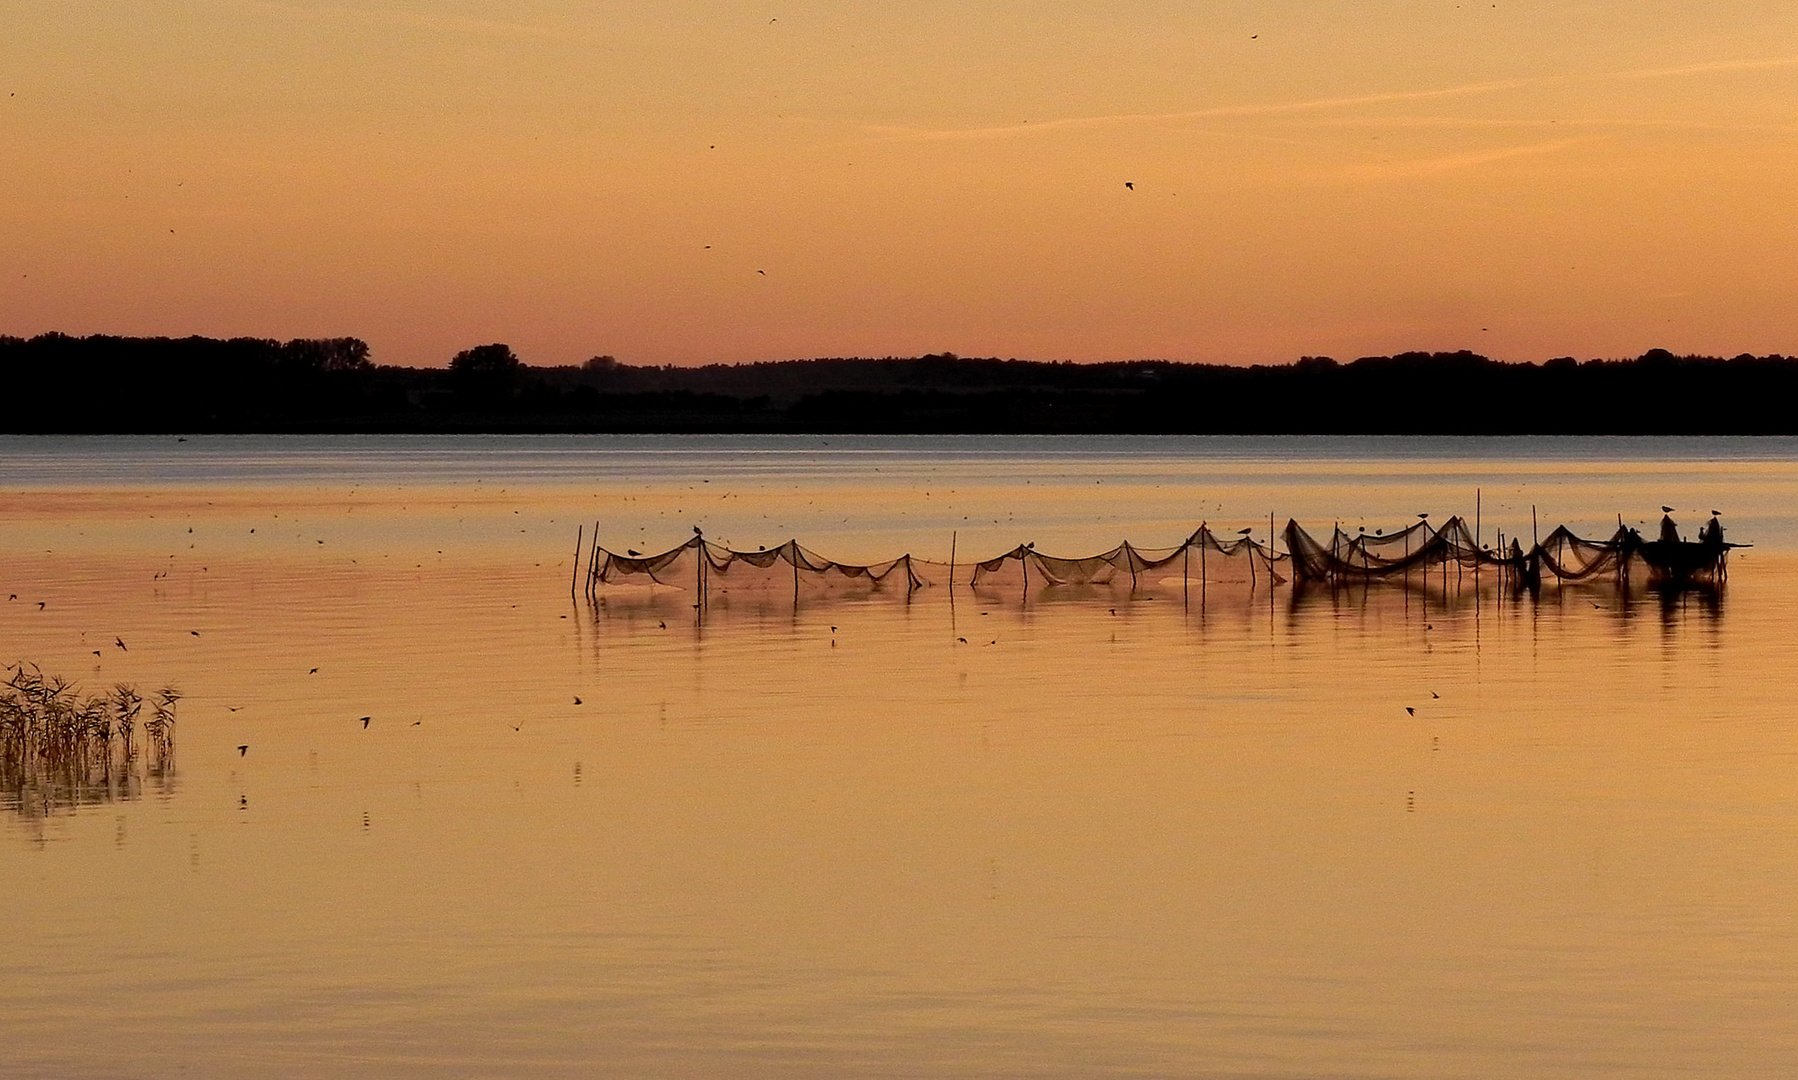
1201	560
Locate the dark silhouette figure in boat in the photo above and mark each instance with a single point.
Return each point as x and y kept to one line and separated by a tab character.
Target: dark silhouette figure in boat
1674	561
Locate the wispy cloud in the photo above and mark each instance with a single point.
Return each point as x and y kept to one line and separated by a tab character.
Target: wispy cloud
1714	68
1417	168
1216	113
1496	86
433	22
1493	123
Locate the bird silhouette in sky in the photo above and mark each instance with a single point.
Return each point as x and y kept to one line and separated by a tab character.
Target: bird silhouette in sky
1410	710
1129	185
1666	509
120	642
365	721
314	671
577	699
764	273
243	750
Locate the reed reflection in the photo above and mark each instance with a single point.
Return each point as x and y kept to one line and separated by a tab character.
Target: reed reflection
60	751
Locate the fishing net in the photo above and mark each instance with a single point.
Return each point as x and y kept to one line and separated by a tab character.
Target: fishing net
1563	556
708	567
1202	561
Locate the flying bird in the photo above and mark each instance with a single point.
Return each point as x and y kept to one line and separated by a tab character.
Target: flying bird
1410	710
1129	185
1716	513
120	642
764	273
244	749
40	605
365	721
1666	509
314	671
577	699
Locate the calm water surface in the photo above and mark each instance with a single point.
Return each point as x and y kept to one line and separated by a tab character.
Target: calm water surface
1103	837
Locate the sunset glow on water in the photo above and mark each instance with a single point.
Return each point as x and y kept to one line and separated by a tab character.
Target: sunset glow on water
1099	837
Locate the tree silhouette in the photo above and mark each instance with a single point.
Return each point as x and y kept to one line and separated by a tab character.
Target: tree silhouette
486	371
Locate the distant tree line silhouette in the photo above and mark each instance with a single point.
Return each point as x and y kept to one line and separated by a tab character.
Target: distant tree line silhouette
59	383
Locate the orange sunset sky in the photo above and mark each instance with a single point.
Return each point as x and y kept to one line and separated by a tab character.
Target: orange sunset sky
1526	179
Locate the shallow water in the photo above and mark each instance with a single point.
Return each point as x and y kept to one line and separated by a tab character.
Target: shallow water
1100	838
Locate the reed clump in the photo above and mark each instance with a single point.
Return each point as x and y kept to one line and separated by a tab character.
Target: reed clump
60	749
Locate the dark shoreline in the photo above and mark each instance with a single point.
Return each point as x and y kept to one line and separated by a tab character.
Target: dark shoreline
61	384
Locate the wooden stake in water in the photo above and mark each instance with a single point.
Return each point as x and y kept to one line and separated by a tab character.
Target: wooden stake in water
575	576
699	567
1186	576
593	560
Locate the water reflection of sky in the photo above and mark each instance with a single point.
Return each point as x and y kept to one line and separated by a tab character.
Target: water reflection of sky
1101	836
858	499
